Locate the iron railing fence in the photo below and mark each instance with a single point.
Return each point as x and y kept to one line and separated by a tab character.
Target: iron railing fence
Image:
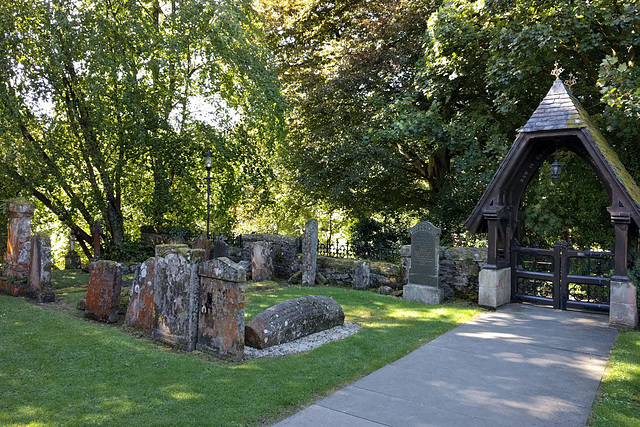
359	250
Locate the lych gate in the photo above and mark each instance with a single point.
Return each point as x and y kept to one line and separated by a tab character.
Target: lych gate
559	277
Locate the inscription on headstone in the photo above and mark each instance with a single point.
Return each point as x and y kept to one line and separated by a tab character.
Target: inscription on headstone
425	242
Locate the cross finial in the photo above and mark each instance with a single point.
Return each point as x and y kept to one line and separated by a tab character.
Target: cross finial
572	80
557	71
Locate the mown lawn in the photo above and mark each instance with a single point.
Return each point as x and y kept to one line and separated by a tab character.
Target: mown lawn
618	400
58	369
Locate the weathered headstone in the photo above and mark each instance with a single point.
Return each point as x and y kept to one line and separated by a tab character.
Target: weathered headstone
405	263
293	319
40	269
103	293
423	276
19	239
140	310
221	313
220	248
176	295
362	276
261	262
96	231
309	253
201	242
72	259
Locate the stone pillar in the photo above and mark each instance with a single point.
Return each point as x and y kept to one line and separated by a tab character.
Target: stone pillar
140	309
494	287
309	253
72	259
103	294
405	263
176	295
40	269
261	261
423	275
19	239
221	311
623	307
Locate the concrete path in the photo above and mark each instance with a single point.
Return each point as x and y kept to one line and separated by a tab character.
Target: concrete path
520	366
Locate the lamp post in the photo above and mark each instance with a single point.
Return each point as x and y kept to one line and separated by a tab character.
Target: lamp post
208	164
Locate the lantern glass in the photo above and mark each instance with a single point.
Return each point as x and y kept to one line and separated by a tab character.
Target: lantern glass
208	160
556	170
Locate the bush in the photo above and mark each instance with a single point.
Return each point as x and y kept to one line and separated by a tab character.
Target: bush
134	252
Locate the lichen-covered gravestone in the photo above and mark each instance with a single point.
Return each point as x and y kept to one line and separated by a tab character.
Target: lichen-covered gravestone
309	253
423	276
18	248
176	295
362	276
220	248
202	242
221	313
293	319
103	293
140	310
72	259
261	261
40	269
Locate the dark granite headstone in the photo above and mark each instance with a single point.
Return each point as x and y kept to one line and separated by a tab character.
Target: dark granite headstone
425	244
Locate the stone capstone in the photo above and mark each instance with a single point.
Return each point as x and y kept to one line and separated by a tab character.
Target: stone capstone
176	296
293	319
103	293
40	287
140	309
221	312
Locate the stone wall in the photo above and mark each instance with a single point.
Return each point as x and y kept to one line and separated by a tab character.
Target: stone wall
459	271
283	250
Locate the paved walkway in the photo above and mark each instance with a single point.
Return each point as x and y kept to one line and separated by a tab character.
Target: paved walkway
519	366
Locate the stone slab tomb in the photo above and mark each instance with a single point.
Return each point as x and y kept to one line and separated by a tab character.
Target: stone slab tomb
176	295
293	319
423	275
40	287
103	294
221	313
261	261
140	310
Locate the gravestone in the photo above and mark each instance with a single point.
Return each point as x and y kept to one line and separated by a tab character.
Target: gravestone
176	295
72	259
140	309
423	275
220	248
96	232
103	293
309	253
18	248
362	277
40	287
201	242
221	312
261	261
293	319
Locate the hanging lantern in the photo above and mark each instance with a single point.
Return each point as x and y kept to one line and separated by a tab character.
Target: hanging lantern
556	170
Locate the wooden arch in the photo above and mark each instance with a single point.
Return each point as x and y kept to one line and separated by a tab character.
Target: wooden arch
558	122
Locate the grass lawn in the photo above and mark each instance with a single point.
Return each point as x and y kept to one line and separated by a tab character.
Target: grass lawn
618	400
58	369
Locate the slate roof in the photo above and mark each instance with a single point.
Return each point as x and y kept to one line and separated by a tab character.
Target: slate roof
560	110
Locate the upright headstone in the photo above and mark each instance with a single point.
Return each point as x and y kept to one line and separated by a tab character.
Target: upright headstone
96	231
40	287
221	314
176	295
103	294
423	276
261	261
140	309
201	242
220	248
309	253
72	259
362	276
19	239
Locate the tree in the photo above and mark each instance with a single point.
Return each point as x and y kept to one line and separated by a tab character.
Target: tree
99	107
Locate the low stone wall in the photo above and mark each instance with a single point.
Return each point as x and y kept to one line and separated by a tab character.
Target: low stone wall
459	271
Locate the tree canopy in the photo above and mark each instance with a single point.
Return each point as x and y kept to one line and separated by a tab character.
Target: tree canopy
107	108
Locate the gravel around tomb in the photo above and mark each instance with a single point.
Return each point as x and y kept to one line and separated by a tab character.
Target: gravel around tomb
304	344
